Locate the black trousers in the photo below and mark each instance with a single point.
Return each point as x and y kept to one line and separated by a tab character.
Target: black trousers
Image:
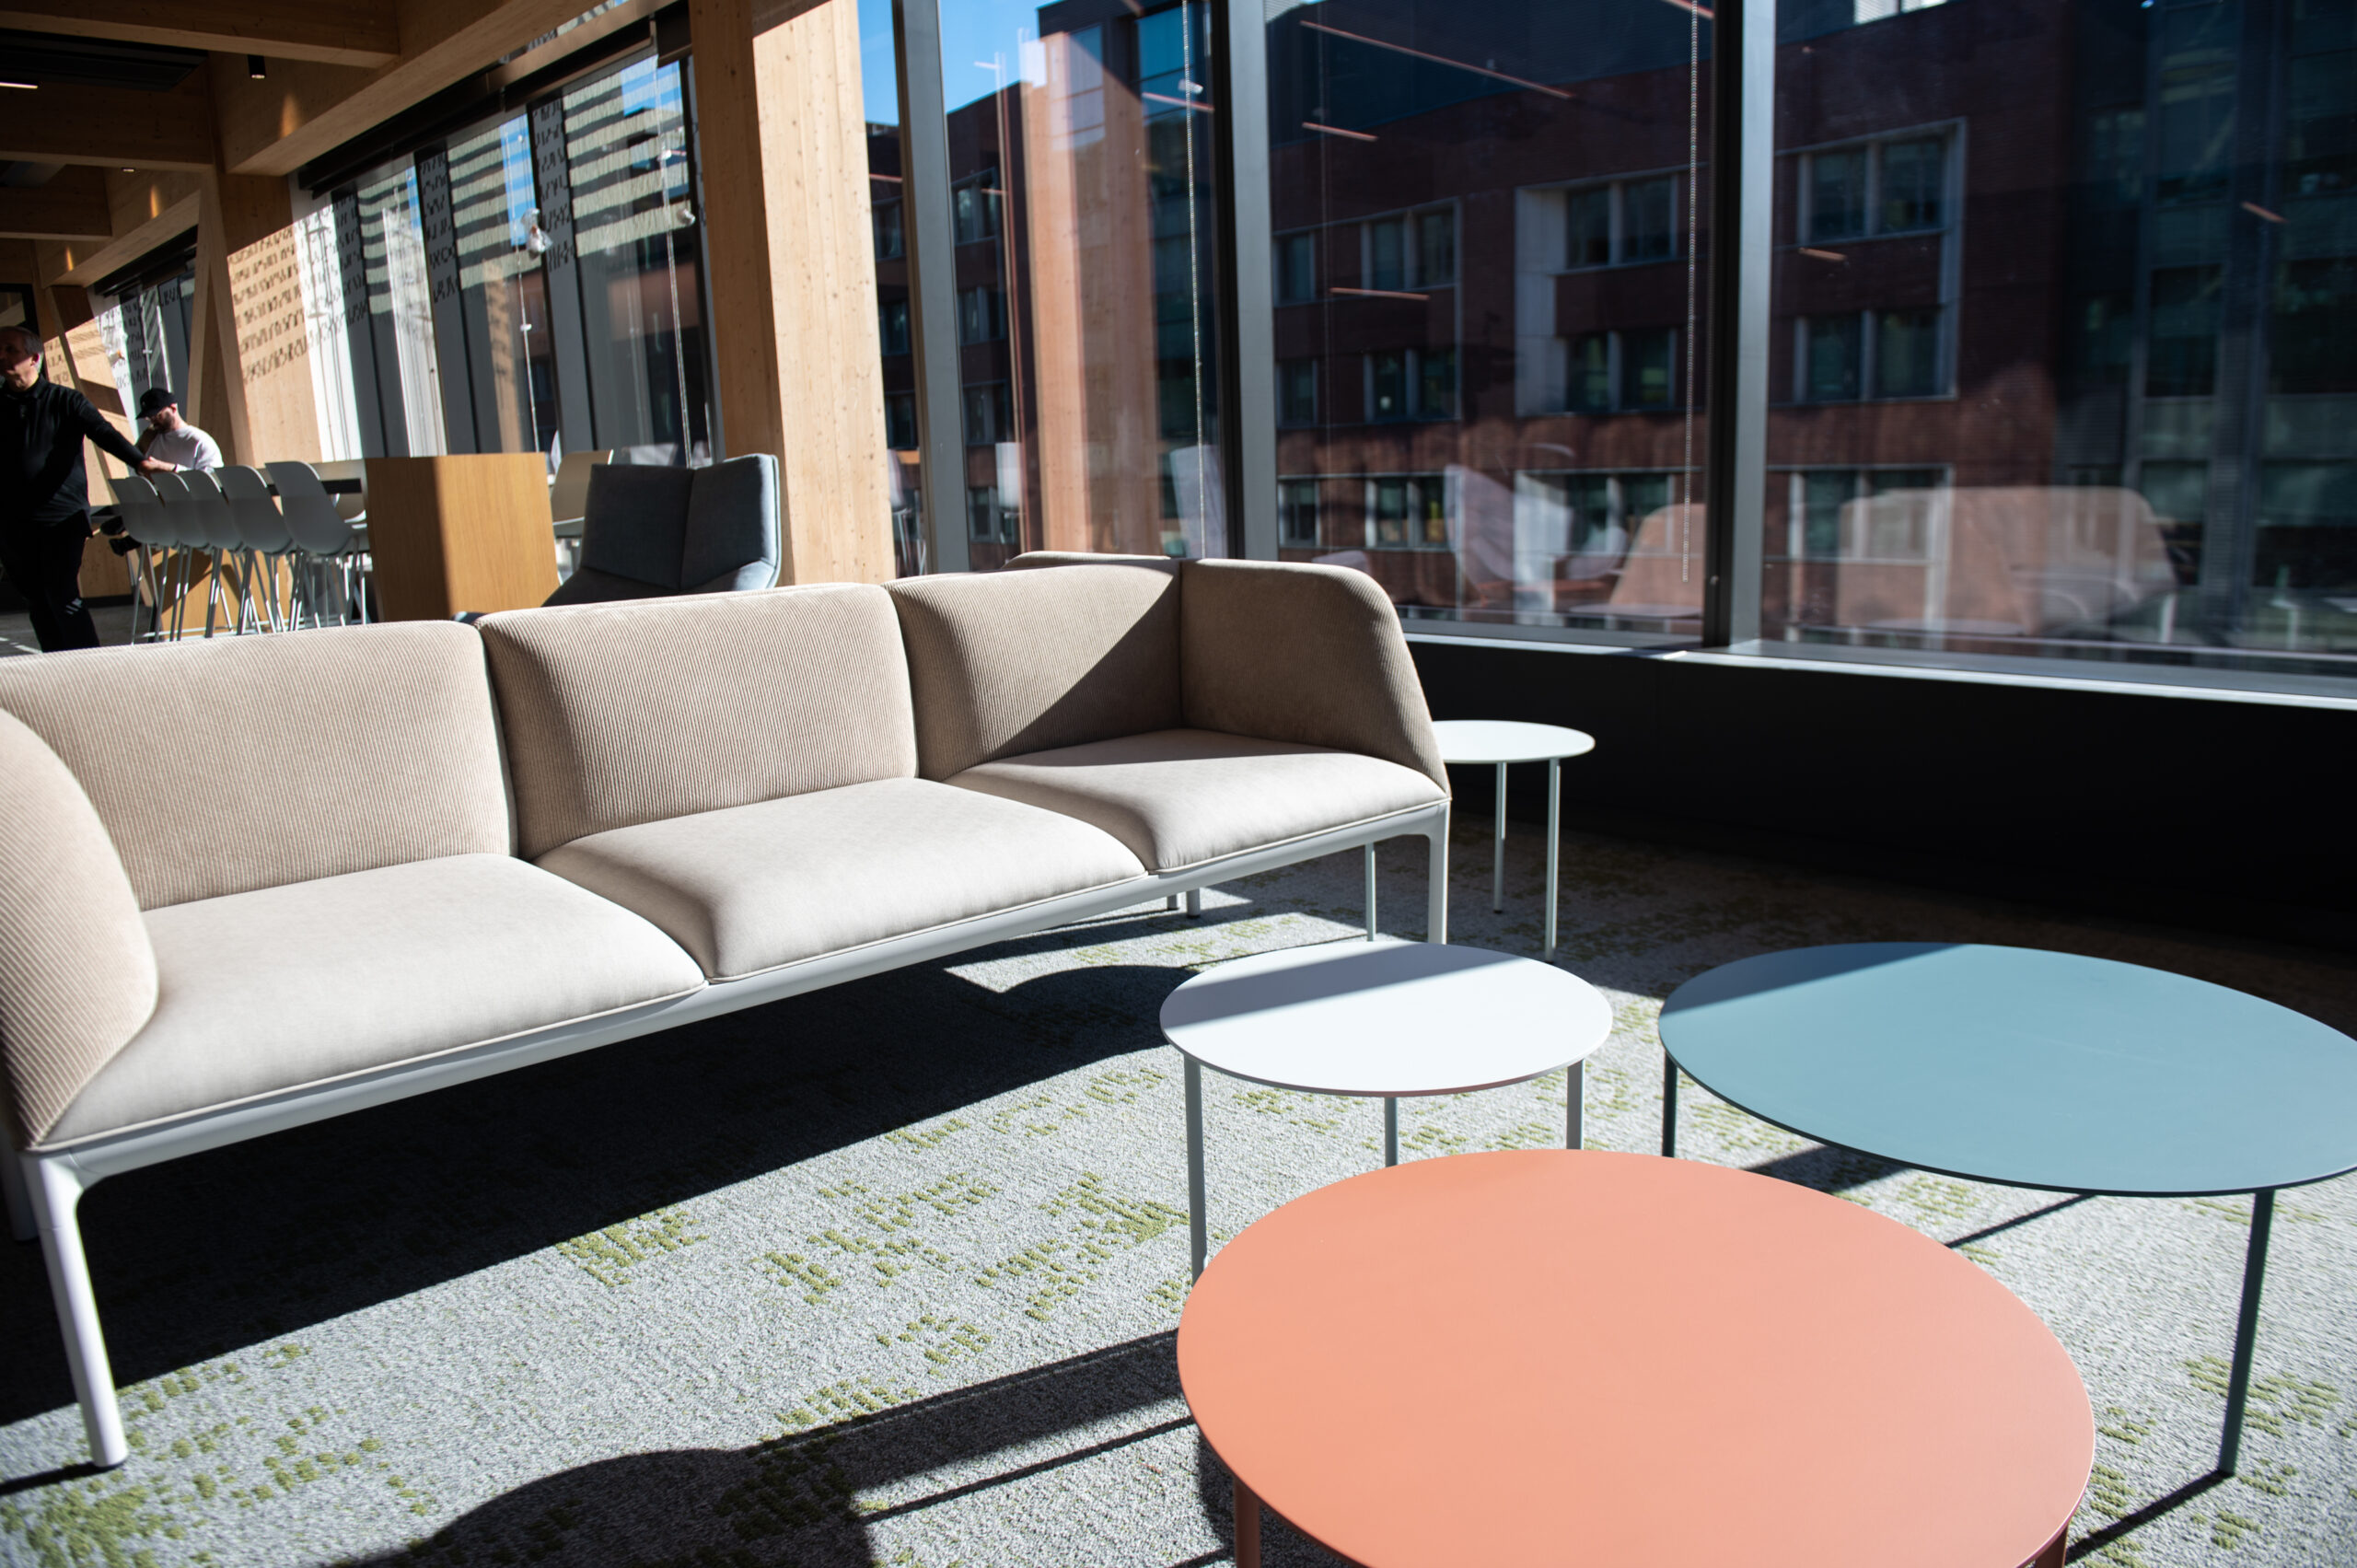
45	560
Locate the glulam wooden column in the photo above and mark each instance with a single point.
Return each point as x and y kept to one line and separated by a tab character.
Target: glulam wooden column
791	249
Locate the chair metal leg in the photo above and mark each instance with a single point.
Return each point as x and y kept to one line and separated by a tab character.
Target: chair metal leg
1194	903
1370	892
1668	1106
21	1225
59	1189
1576	1106
1436	884
1498	848
2262	1221
1247	1527
1198	1219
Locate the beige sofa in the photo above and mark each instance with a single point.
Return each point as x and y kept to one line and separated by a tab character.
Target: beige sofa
373	860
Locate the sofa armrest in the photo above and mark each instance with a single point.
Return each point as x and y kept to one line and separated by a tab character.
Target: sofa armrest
1312	655
77	975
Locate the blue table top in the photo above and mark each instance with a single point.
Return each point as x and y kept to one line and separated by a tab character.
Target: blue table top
2031	1068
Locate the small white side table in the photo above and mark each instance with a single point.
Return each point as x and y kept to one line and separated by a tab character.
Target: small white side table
1472	742
1380	1018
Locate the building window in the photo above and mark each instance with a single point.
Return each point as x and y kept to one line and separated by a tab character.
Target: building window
981	316
1589	220
1416	250
890	244
1832	361
2314	326
1297	391
1407	512
1436	248
987	522
1907	354
1297	514
1436	383
900	421
1893	186
1296	278
1591	374
1386	254
1649	220
892	326
973	209
989	415
2183	361
2103	333
1646	362
1823	524
1387	385
1411	383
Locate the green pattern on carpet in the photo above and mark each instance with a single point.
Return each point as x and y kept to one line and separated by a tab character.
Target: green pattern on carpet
888	1274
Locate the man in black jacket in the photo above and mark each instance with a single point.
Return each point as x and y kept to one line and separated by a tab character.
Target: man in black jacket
44	499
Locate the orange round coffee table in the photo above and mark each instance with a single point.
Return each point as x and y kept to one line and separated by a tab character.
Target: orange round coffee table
1544	1356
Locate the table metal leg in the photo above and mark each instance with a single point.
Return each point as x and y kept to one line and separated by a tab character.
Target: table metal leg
2262	1220
1554	845
1576	1106
1370	892
1198	1225
1498	849
2056	1551
1247	1527
1668	1106
1390	1131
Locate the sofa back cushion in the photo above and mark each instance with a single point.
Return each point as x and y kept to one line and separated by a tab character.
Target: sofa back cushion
1307	653
642	711
241	762
77	973
1007	662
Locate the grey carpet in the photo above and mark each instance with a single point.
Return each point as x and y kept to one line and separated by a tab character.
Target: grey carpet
888	1274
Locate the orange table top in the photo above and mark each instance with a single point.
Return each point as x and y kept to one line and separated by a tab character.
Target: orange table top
1544	1356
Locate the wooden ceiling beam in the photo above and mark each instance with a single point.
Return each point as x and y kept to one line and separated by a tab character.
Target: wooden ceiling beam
338	32
118	126
72	205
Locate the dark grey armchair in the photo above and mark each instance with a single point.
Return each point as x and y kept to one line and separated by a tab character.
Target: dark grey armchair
646	532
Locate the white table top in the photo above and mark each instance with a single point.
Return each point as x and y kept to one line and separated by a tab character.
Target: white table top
1385	1017
1506	740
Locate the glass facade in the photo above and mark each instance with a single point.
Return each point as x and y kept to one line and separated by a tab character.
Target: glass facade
2068	296
1489	306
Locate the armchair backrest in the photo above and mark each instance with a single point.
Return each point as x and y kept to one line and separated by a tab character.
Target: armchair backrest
647	532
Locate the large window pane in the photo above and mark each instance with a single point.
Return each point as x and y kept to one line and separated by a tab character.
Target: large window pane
880	93
1082	150
1508	328
2066	304
503	289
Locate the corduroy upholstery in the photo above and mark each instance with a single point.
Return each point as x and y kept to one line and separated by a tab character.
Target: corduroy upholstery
1306	654
1024	661
754	887
290	757
1178	797
77	975
306	984
621	713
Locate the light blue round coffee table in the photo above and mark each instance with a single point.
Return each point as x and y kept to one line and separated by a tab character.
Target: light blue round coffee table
2031	1069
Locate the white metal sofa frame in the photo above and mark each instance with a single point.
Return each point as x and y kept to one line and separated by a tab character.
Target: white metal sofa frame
44	1189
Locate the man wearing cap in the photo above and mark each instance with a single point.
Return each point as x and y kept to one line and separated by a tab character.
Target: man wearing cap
44	499
172	438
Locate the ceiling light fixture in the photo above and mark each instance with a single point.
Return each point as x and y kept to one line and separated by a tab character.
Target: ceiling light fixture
256	68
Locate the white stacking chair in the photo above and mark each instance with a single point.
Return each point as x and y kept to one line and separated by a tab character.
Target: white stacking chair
144	525
319	531
228	546
263	529
187	534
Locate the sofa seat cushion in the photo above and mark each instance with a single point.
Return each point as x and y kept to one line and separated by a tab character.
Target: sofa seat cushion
1181	797
751	887
302	983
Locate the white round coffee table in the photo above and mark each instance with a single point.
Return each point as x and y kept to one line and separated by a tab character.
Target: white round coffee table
1497	742
1379	1018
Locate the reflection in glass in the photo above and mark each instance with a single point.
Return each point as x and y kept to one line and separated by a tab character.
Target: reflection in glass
403	370
1506	333
503	292
2136	436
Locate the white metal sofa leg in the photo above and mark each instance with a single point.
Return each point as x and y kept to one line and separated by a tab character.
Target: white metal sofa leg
1436	882
20	1203
57	1192
1194	903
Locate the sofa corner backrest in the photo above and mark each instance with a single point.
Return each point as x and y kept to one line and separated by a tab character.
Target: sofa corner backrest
1306	654
235	763
648	709
77	974
1003	663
